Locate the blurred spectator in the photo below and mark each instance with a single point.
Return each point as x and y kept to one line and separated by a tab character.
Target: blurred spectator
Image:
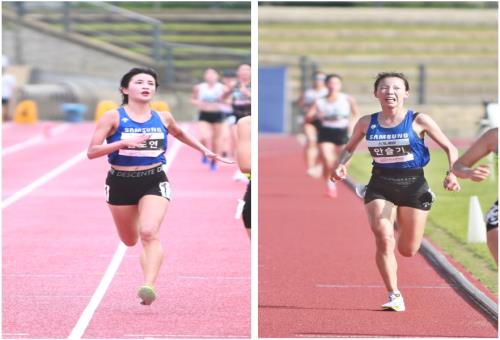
8	87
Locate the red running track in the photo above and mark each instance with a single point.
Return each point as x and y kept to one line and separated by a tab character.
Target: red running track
317	273
59	239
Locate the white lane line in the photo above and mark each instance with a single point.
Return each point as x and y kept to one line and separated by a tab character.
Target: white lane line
87	314
44	179
89	311
7	125
34	140
213	278
50	296
382	286
36	275
191	336
330	336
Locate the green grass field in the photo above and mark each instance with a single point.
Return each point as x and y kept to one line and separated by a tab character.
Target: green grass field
448	219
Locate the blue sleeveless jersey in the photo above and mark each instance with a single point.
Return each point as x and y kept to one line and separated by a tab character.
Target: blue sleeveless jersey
150	152
397	147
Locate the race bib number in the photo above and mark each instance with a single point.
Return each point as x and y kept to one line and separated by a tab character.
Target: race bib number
106	191
165	190
390	151
492	215
153	147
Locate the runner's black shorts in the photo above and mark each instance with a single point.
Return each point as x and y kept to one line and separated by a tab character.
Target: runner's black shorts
492	217
332	135
211	117
128	187
240	111
402	187
247	209
316	123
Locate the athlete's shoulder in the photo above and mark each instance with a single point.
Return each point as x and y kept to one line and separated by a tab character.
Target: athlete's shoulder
492	133
363	123
491	139
166	117
421	118
111	116
164	114
365	119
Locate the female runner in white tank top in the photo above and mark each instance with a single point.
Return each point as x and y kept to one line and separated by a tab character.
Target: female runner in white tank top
311	128
337	113
208	98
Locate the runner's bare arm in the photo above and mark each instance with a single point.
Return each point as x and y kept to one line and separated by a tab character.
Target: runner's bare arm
311	113
187	138
105	126
244	89
483	146
194	97
424	123
359	131
243	145
354	114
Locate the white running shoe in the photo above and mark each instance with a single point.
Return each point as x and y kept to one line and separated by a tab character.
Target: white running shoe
240	177
396	303
315	171
361	190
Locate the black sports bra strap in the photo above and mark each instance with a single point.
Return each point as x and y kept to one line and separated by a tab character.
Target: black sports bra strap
415	114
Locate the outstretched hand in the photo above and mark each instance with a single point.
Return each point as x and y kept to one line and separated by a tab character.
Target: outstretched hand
451	183
219	158
339	173
480	173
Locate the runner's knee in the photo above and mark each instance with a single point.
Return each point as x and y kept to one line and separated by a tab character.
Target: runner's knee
407	251
385	242
148	232
129	242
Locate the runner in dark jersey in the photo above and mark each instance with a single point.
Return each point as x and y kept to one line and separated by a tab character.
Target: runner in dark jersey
137	189
397	191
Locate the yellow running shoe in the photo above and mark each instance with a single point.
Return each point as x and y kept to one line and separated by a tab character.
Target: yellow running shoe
146	294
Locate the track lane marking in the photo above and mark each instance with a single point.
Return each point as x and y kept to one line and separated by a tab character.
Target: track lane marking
192	336
39	138
382	286
44	179
213	278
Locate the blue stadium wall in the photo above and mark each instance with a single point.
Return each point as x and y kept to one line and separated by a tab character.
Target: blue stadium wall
273	102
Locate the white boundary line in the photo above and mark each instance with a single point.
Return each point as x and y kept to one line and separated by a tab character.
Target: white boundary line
244	278
44	179
34	140
189	336
382	286
89	311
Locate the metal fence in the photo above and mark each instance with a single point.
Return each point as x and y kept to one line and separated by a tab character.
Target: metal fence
177	62
432	82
